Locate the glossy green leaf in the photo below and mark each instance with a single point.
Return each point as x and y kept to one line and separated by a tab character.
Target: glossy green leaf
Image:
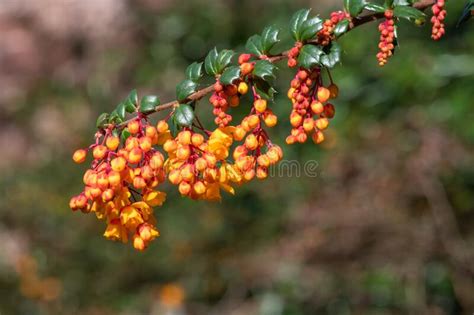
124	135
148	103
210	63
254	45
408	13
354	7
230	75
341	27
269	38
375	7
403	2
131	102
121	110
264	69
310	56
333	56
102	120
115	117
264	89
310	28
297	22
224	59
185	88
184	115
194	71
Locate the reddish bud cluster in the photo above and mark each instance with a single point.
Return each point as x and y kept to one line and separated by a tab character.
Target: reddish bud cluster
325	36
311	112
221	99
293	54
439	14
387	38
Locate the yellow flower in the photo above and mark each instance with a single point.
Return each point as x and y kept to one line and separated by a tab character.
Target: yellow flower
116	232
154	198
131	217
219	143
143	208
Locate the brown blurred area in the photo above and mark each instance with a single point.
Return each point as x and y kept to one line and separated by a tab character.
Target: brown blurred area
385	228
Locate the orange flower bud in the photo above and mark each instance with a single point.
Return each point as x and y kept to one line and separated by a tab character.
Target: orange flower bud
263	160
114	179
99	152
139	182
295	119
162	126
262	173
184	188
151	132
260	105
197	139
79	156
187	173
184	137
138	243
275	154
170	145
234	101
308	124
290	139
210	159
249	174
183	152
157	161
322	123
239	133
145	144
302	137
118	164
246	68
253	121
199	187
112	143
133	127
243	88
270	120
291	91
131	143
318	137
323	94
107	195
174	177
251	142
102	181
135	156
317	107
200	164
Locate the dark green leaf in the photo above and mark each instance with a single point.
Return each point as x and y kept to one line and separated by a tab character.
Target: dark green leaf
125	134
148	103
223	59
297	22
269	38
254	45
264	89
230	75
310	28
185	88
131	102
408	13
194	71
115	118
375	7
388	3
184	115
354	7
466	13
264	69
333	56
102	120
121	110
341	27
310	56
210	63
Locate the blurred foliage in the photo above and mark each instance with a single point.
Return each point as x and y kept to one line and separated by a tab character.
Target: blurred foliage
360	238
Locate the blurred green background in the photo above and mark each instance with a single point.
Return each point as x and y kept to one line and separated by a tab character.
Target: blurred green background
386	227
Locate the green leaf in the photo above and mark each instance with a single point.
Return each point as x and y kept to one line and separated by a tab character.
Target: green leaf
403	2
115	118
341	27
194	71
466	13
408	13
310	56
388	4
230	75
148	103
264	89
131	102
102	120
297	22
210	63
354	7
333	57
254	45
184	115
269	38
124	135
120	109
264	69
223	59
185	88
375	7
310	28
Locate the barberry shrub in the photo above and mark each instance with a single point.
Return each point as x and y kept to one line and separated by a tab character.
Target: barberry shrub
132	158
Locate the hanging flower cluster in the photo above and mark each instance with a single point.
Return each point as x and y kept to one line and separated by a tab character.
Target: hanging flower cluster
439	14
132	158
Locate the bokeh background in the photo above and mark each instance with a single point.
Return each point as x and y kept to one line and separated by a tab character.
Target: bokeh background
385	228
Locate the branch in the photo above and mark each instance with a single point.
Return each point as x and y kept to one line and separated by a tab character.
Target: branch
356	22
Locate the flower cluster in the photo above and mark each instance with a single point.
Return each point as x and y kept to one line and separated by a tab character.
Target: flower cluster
293	54
221	99
439	14
387	38
121	185
311	112
325	36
